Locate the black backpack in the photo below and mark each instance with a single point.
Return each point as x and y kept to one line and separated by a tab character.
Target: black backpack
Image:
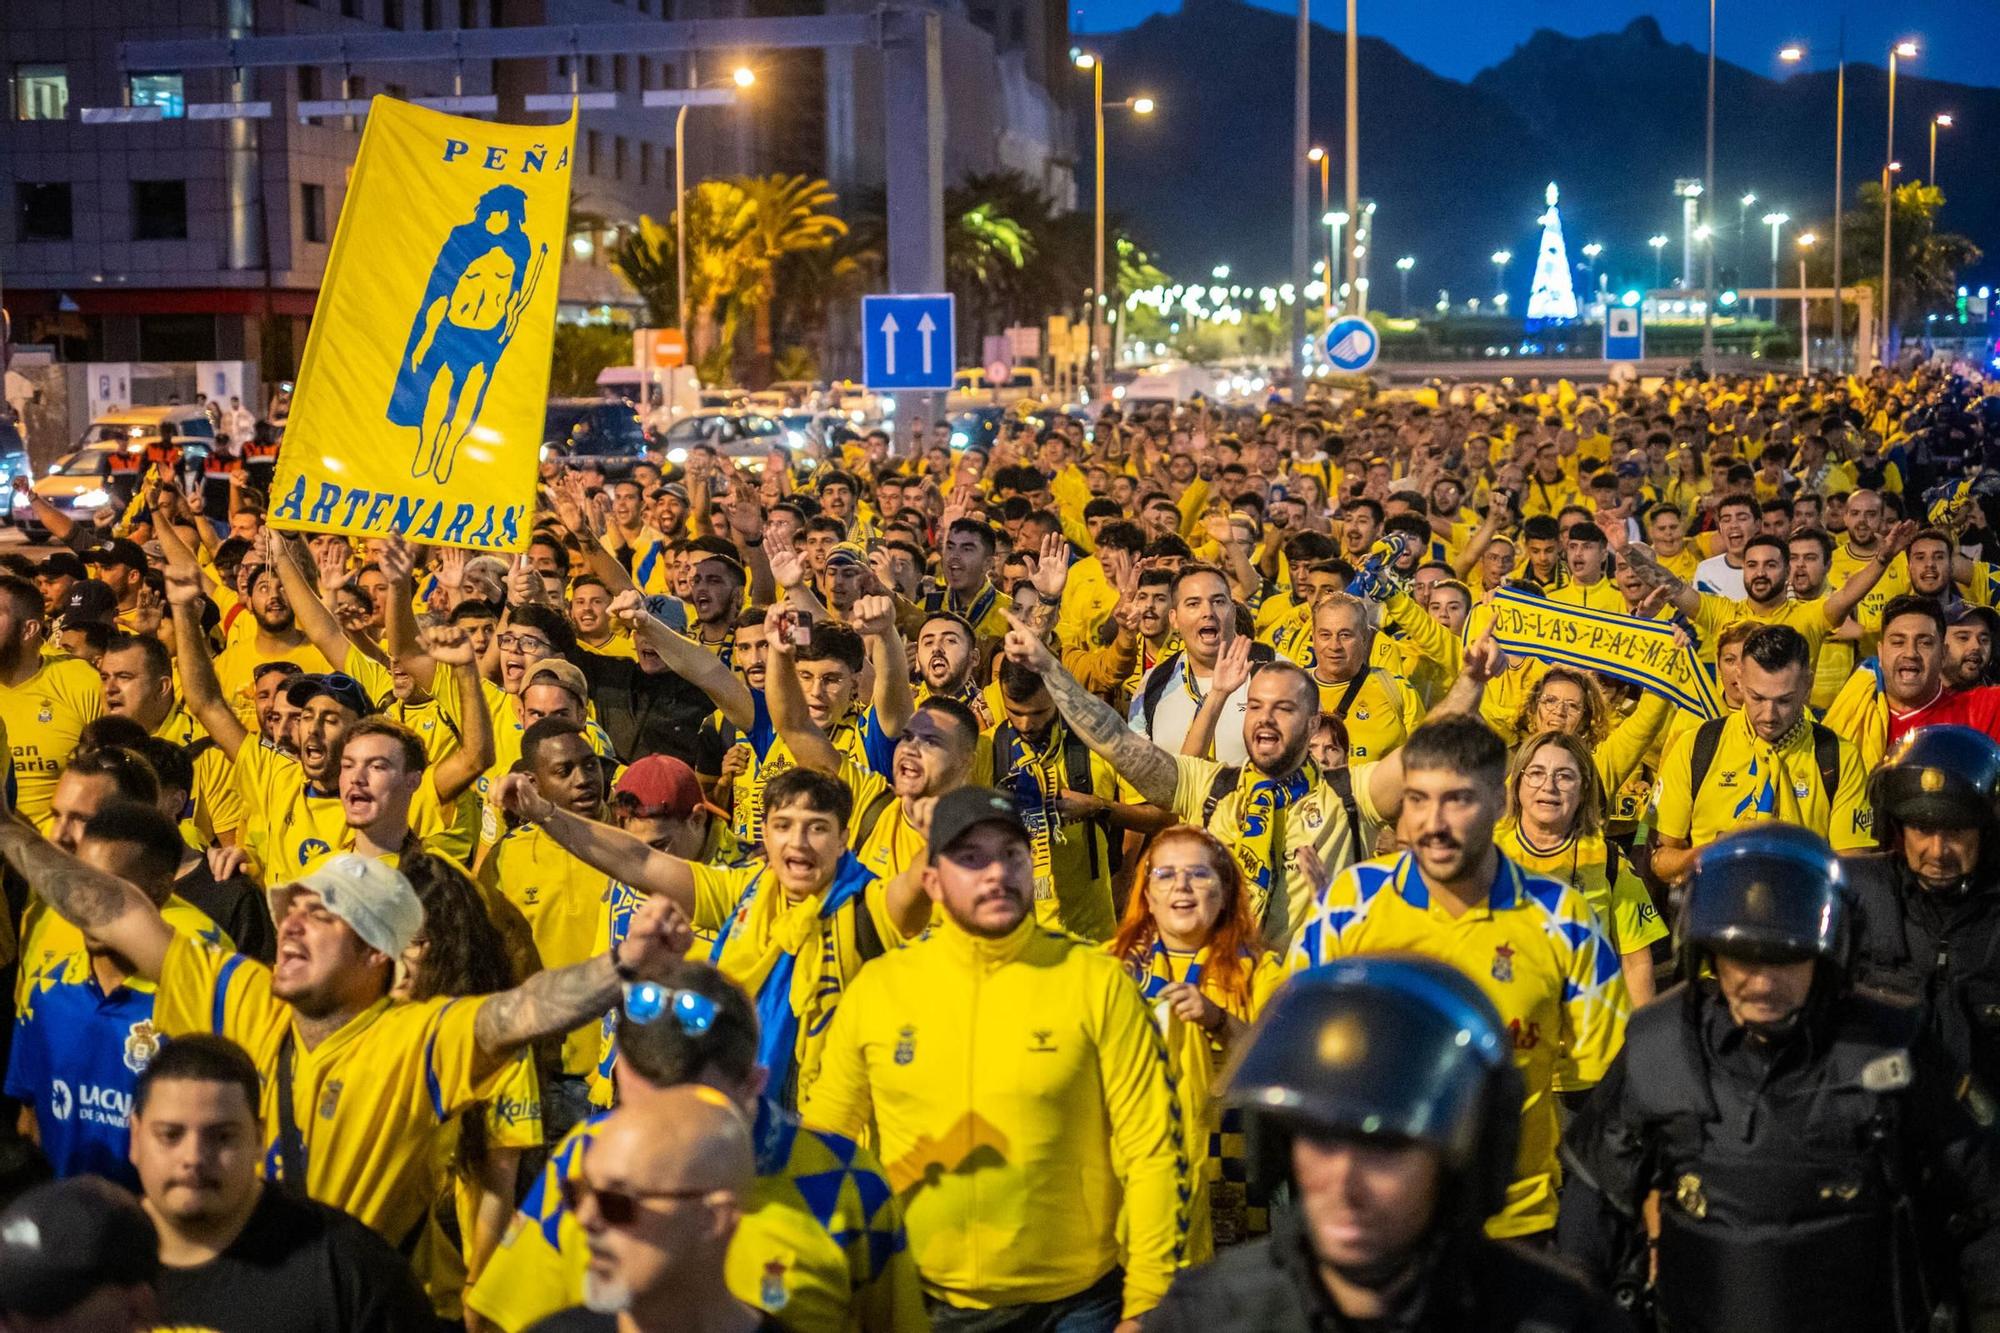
1826	753
1340	779
1163	671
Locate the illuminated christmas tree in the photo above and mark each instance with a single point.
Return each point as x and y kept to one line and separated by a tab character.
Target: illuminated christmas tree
1552	299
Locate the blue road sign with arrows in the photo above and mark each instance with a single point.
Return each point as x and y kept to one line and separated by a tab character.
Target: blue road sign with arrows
907	342
1351	344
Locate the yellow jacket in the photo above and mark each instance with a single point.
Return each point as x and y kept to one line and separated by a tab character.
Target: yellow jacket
1021	1097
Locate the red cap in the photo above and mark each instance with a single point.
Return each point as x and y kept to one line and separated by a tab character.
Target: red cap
660	785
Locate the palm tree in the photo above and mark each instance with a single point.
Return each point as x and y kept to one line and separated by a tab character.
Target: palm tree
720	215
788	219
1925	262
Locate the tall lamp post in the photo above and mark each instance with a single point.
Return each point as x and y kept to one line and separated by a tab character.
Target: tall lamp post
1501	259
1776	222
1403	267
743	77
1806	242
1319	155
1903	50
1100	300
1708	208
1659	244
1793	53
1743	203
1940	121
1590	254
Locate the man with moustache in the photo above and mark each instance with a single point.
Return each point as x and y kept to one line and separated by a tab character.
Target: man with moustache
1969	635
1534	945
1077	1225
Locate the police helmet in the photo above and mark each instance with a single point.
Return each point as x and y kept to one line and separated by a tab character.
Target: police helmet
1394	1046
1771	893
1939	777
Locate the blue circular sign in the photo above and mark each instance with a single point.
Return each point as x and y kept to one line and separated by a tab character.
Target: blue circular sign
1351	344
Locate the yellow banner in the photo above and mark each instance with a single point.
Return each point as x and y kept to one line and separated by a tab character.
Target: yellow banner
421	398
1644	652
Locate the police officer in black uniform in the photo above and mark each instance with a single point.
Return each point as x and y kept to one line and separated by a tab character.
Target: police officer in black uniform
1381	1091
1820	1165
1928	905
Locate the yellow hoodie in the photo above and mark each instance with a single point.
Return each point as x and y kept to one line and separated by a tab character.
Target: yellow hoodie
1021	1097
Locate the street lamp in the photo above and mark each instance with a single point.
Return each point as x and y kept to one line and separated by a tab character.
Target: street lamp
1659	244
1940	121
1793	53
1320	155
1742	229
1903	50
1093	64
1806	241
1403	267
1776	222
742	77
1501	259
1590	253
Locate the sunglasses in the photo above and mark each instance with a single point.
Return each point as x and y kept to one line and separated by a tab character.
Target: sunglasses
619	1208
649	1001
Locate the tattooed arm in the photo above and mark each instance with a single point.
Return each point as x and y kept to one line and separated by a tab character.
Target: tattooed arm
114	913
1151	770
565	998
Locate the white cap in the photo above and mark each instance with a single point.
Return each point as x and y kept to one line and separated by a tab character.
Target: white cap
371	896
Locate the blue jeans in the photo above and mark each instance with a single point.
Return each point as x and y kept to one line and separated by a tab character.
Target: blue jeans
1095	1309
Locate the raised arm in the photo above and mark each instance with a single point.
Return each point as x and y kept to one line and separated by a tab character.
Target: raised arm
615	852
199	685
687	659
788	571
1839	605
399	564
564	998
874	619
787	700
313	615
1484	661
1232	673
1151	770
452	776
113	913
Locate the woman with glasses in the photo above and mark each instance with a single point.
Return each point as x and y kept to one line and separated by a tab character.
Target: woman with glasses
476	1158
1572	702
1188	940
1554	826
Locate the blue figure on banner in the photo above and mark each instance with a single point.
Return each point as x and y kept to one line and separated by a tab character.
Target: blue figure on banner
485	273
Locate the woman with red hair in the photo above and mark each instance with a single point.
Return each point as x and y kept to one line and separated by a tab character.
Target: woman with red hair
1188	940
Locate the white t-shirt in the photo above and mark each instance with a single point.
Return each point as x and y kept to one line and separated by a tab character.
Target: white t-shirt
1718	576
1174	713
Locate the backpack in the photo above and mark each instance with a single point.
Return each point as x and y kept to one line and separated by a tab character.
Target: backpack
1076	776
1826	754
1340	779
1163	672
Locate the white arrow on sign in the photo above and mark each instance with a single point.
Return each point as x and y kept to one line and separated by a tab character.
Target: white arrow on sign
889	327
925	327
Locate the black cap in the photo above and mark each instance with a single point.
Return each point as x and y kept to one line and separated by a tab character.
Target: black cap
337	686
62	564
63	1241
119	551
961	811
89	600
1985	615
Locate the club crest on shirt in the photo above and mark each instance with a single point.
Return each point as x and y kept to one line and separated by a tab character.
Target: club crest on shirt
142	1043
906	1045
771	1293
1503	962
48	714
329	1099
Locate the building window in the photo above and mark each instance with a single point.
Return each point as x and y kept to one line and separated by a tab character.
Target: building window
309	83
430	16
645	164
350	9
590	151
1017	28
618	157
312	209
468	13
159	211
645	6
562	67
496	16
392	13
618	73
590	71
165	91
42	211
41	92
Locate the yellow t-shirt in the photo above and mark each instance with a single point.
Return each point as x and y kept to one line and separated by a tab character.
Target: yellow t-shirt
368	1100
236	668
1386	709
218	803
1750	781
564	901
1541	955
43	717
292	824
1583	863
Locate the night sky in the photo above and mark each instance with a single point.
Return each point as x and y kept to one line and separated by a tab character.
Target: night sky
1458	38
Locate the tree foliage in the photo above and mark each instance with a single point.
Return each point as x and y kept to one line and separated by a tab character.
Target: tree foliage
1924	262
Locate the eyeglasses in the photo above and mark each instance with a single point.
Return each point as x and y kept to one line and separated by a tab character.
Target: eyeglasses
1195	877
524	642
619	1208
1551	777
649	1001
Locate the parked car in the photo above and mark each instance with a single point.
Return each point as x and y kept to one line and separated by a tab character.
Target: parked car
77	483
731	433
602	432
